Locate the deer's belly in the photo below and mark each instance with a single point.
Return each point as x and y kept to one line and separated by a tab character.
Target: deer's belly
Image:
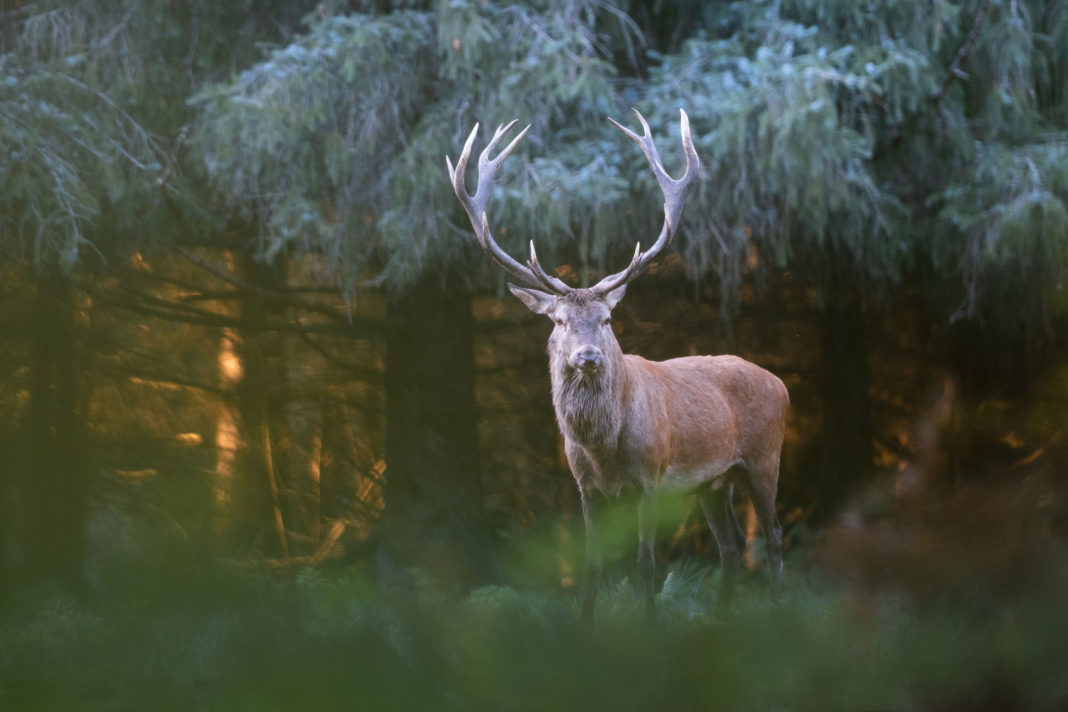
683	477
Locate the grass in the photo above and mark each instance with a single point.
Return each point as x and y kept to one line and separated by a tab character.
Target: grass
193	635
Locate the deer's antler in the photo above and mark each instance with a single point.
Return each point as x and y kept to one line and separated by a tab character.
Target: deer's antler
674	196
532	273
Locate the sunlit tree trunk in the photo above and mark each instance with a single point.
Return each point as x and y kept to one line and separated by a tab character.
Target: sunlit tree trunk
7	529
434	513
254	519
251	438
55	486
226	429
312	490
334	468
5	565
346	474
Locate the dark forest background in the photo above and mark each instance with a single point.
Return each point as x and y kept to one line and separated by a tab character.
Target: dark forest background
273	434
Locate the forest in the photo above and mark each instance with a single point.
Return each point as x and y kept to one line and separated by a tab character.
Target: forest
274	435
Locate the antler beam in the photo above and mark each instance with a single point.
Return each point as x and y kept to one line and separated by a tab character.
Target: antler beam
532	273
674	196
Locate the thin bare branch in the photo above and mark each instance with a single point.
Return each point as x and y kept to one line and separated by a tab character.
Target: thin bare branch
955	70
362	329
280	297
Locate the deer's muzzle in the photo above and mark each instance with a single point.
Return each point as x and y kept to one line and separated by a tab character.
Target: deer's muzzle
587	359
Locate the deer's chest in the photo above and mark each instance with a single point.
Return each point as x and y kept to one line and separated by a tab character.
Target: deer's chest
611	464
605	469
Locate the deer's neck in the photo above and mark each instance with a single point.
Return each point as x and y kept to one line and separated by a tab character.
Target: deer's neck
589	407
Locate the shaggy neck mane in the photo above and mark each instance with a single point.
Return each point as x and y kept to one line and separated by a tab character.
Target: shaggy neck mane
588	406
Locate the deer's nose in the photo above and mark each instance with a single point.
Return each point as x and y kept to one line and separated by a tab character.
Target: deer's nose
587	358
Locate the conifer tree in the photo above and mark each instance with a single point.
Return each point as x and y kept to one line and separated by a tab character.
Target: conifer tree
90	94
872	146
334	145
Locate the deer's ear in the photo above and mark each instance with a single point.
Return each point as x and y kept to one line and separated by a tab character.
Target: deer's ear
613	298
537	302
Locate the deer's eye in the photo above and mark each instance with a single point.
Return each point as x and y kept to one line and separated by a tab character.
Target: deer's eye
607	321
560	322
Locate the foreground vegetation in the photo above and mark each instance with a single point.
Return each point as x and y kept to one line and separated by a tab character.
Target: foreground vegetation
189	635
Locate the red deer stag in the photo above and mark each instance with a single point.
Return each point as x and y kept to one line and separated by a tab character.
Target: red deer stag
699	423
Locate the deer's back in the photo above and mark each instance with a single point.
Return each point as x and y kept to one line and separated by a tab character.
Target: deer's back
707	413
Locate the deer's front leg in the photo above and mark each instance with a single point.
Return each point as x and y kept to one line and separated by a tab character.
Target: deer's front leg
592	579
648	512
585	473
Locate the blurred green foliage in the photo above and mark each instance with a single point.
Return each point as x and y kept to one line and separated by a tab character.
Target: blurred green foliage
336	141
91	95
832	132
186	634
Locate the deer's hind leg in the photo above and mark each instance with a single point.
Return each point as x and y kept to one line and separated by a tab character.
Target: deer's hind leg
718	507
761	480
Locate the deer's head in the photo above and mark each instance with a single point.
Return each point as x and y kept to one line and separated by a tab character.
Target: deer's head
582	335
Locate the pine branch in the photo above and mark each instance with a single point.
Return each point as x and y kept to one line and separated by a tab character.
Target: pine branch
962	53
284	298
360	372
172	161
161	303
205	295
15	15
154	277
160	309
148	378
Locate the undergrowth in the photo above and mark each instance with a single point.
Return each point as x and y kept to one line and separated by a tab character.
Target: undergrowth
214	638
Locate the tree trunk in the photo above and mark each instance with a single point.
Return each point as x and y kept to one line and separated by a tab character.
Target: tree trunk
5	565
56	487
252	364
434	515
843	378
226	432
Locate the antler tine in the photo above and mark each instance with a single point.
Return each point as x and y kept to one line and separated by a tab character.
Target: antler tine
674	196
645	142
475	205
494	165
625	131
548	281
456	175
637	265
674	190
512	266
